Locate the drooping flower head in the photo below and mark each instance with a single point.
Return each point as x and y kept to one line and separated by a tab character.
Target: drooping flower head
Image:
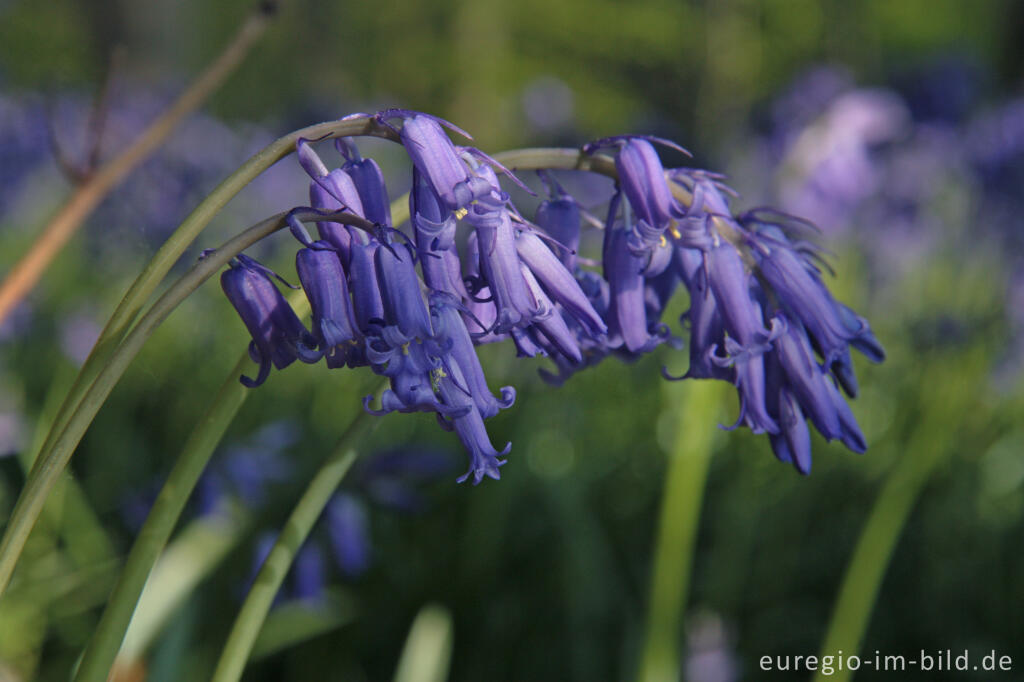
470	269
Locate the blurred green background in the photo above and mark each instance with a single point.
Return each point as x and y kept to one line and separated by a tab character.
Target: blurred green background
894	123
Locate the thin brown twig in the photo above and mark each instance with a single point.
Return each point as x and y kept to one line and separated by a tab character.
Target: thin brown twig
87	196
81	171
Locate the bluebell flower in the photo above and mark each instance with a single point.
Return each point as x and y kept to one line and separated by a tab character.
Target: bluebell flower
330	191
559	216
453	334
78	334
850	434
642	179
392	480
500	263
782	337
245	471
308	573
434	228
23	139
278	336
707	332
413	369
324	281
549	328
802	294
400	290
367	301
348	528
624	272
807	381
558	281
730	284
468	423
369	183
437	158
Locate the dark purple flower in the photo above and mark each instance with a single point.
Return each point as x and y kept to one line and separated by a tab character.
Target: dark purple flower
748	339
706	329
349	531
794	431
330	191
367	303
850	433
642	178
808	383
759	316
559	216
558	282
549	322
452	333
500	267
245	471
434	155
308	573
400	290
469	425
802	294
393	478
278	336
730	283
624	272
412	368
337	235
369	182
434	228
323	280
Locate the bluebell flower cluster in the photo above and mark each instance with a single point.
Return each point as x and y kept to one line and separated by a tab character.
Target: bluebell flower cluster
471	270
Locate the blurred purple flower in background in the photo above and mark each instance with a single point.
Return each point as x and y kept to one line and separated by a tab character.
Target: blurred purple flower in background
245	472
159	193
78	334
710	651
904	173
24	145
392	480
13	432
548	104
828	168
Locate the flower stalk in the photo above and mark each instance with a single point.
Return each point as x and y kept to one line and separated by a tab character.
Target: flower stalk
690	407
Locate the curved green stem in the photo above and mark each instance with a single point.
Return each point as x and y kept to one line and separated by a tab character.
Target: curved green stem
552	158
695	405
308	509
49	465
866	570
160	522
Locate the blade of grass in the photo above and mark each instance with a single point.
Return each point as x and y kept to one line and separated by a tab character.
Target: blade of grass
428	648
257	603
